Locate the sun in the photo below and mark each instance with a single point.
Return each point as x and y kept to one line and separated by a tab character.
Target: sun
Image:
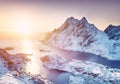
23	26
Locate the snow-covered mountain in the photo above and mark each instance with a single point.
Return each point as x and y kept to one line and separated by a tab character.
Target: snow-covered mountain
113	32
79	35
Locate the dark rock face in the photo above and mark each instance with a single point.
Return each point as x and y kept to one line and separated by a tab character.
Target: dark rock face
15	66
72	29
113	32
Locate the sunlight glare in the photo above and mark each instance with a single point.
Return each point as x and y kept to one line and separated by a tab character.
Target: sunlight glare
23	26
27	47
34	66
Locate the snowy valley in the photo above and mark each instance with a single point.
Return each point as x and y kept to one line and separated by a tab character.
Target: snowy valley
76	53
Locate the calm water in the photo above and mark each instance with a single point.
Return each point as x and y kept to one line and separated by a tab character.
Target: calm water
35	66
28	47
88	57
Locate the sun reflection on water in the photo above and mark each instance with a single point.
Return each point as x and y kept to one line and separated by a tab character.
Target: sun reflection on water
34	66
27	47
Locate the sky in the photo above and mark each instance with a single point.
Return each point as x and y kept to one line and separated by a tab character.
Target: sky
45	15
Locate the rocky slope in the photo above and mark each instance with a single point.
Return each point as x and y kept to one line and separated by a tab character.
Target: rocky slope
79	35
113	32
82	72
12	70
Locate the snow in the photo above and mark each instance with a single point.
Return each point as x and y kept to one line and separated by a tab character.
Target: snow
76	80
8	79
74	35
63	78
84	72
79	35
113	32
12	70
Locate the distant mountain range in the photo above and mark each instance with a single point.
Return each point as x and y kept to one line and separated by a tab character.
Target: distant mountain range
113	32
80	35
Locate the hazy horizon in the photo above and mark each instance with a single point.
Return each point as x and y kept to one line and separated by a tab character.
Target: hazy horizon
26	16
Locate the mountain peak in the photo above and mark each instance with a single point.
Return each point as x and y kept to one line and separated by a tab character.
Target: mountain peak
112	26
72	20
75	23
84	20
113	32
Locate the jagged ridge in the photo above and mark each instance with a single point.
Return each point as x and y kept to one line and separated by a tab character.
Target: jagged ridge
113	32
79	35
